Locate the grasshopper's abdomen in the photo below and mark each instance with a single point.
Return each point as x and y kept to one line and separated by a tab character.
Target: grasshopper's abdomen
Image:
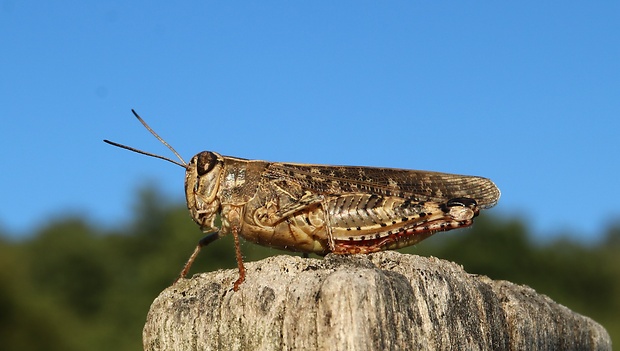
364	223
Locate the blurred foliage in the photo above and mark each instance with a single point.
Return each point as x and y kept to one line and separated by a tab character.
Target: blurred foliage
73	286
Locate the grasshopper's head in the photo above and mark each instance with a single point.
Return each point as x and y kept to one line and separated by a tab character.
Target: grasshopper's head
202	176
202	180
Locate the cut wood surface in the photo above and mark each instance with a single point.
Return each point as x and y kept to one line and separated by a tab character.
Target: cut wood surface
381	301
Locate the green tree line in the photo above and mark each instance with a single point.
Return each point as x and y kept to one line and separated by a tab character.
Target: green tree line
72	285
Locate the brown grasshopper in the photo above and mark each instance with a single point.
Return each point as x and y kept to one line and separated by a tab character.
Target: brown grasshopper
322	209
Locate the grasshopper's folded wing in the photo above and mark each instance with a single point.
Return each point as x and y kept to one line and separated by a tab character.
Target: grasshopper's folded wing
416	185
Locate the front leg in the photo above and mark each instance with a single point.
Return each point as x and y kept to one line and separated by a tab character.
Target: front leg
209	238
231	221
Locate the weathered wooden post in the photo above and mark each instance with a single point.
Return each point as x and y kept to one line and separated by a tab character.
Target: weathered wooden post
382	301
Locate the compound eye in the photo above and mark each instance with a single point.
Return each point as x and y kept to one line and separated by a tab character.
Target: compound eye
205	161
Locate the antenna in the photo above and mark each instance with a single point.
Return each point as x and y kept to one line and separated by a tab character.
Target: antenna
182	163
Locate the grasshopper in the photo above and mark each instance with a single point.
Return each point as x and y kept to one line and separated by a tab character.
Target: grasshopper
319	208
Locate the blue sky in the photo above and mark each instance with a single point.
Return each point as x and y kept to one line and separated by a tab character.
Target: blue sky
526	93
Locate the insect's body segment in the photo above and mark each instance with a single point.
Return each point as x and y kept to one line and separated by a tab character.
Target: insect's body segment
321	209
